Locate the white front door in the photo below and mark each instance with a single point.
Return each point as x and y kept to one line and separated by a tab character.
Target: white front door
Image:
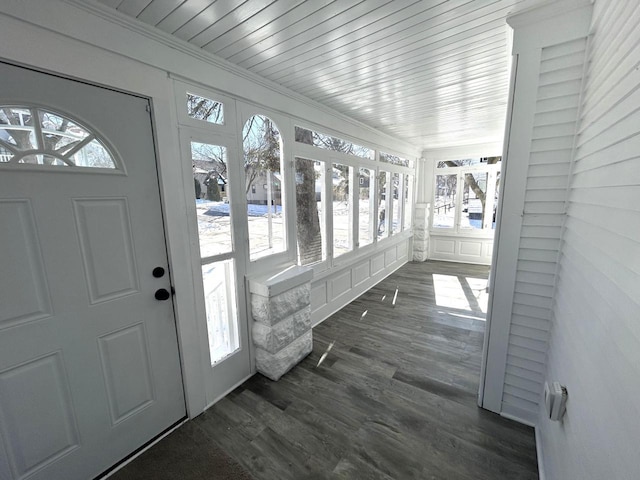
89	363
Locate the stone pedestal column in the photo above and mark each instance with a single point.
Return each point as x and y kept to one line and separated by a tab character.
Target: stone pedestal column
281	310
421	232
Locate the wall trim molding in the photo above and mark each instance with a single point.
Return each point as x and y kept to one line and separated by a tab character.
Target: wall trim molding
539	454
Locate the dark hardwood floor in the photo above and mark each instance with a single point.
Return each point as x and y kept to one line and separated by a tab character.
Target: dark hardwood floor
395	398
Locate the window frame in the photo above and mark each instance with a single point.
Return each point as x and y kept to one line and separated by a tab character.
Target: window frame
457	230
245	111
181	89
119	167
329	157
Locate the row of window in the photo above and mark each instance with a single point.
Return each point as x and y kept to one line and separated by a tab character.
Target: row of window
344	200
466	195
364	204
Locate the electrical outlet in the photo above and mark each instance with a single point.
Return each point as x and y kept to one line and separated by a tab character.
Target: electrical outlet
555	400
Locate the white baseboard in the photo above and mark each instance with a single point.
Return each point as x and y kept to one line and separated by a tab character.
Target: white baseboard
541	474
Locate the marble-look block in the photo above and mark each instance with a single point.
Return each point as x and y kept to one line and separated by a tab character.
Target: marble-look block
274	365
275	338
271	310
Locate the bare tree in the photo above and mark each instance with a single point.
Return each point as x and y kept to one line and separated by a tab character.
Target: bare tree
471	182
261	141
309	233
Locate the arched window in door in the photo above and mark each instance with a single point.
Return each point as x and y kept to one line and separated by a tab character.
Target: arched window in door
263	169
38	136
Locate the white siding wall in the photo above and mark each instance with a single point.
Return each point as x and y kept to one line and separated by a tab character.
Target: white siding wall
594	348
554	125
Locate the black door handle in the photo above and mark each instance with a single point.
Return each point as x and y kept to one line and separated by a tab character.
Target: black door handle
158	272
162	294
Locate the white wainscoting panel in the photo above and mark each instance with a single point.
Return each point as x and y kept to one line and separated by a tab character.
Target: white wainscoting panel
466	249
330	292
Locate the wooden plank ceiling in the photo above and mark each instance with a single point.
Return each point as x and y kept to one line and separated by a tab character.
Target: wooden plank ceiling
432	72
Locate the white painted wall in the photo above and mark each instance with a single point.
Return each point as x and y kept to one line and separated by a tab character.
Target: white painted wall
594	347
549	45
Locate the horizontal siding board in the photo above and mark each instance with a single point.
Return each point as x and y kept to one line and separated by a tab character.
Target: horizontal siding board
569	87
525	364
531	322
557	169
534	289
522	383
623	173
558	117
530	333
541	231
566	48
621	198
552	244
561	75
536	278
613	299
527	354
528	311
619	255
534	376
625	223
521	393
532	300
575	59
541	208
535	255
552	131
557	103
543	158
511	400
608	156
608	116
543	183
552	144
624	129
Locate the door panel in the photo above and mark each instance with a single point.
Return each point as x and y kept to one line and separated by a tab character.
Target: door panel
89	364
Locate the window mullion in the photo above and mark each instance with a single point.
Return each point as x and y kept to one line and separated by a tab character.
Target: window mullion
354	202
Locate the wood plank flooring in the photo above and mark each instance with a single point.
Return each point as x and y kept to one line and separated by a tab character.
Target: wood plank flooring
395	398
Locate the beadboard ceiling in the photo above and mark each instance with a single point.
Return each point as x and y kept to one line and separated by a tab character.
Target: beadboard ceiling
431	72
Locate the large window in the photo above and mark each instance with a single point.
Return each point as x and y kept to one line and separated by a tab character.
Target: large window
263	187
342	212
408	202
384	199
213	214
209	163
466	193
473	200
310	198
396	202
366	207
